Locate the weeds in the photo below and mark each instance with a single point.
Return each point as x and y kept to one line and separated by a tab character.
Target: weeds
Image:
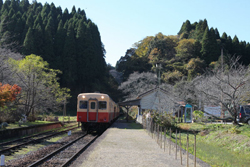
220	144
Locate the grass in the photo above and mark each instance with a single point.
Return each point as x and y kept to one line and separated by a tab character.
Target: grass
26	124
134	125
38	122
221	145
35	147
67	118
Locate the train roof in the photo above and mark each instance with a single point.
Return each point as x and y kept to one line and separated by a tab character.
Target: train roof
92	94
95	94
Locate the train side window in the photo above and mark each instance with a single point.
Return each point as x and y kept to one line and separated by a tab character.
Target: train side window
83	105
92	104
102	104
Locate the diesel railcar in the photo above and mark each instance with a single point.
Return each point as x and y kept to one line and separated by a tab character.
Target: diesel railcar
95	111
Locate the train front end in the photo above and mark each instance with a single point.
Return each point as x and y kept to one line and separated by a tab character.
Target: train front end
93	111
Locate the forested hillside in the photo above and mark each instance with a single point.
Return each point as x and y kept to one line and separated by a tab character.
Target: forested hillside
185	55
71	42
67	40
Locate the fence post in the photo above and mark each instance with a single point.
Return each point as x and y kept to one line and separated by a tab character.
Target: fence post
151	126
194	150
165	138
170	141
180	147
175	143
161	136
153	130
187	148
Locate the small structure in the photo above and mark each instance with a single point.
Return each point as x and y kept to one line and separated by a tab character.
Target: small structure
188	116
154	99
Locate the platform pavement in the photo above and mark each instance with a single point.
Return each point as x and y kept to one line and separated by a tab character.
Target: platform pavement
127	145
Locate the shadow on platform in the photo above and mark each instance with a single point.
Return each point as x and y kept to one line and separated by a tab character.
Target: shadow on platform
123	124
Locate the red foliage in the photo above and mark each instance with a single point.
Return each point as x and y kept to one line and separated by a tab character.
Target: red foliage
8	93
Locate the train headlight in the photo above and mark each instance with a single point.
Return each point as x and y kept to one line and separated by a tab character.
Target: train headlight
83	96
102	97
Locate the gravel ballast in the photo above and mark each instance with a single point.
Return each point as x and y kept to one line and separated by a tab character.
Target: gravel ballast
124	146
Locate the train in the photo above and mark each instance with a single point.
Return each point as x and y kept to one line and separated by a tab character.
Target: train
96	111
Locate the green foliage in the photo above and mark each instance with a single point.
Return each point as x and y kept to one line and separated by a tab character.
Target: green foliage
224	145
9	114
68	41
234	130
163	119
198	115
40	84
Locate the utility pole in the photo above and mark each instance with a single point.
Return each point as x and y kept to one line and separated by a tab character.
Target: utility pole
158	66
222	73
64	108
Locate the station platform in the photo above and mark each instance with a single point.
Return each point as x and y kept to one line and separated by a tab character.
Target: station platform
128	144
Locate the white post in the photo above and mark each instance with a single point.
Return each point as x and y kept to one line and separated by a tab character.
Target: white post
2	160
69	133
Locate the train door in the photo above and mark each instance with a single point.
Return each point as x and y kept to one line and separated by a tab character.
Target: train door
92	110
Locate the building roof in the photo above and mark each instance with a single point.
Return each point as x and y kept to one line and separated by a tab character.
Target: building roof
136	102
150	91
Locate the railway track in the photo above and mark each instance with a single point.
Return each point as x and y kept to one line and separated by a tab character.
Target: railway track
10	147
67	153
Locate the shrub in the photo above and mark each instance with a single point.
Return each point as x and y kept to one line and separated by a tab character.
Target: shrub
163	119
3	125
198	115
9	114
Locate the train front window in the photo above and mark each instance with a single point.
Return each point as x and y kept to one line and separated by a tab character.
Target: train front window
92	104
83	105
102	104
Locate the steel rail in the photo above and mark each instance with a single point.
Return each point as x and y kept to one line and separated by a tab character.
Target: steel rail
55	152
33	140
79	152
31	136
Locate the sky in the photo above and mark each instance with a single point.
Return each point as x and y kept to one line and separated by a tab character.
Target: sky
122	23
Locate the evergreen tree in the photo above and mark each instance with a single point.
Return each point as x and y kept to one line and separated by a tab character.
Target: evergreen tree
5	6
14	5
209	50
38	21
81	56
69	58
186	28
65	16
73	11
224	38
229	45
58	45
28	44
200	30
39	39
48	44
24	5
19	27
217	34
1	4
236	46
